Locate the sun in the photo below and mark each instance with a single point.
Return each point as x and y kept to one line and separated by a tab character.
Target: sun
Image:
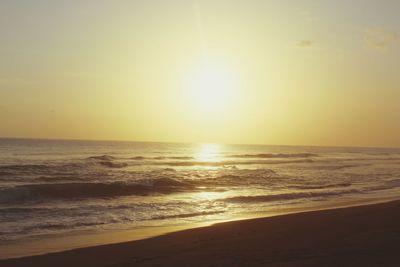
212	86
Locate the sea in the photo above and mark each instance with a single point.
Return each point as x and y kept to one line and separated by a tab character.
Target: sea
53	187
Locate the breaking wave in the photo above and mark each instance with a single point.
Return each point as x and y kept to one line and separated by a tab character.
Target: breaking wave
285	196
275	156
230	163
186	215
38	192
322	186
105	161
162	158
103	157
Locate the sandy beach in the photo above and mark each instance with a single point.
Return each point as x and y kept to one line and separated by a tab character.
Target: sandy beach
199	133
357	236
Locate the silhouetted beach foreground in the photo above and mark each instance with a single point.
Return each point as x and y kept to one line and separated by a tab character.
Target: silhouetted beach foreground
356	236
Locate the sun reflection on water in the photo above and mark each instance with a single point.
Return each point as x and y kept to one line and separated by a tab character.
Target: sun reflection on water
207	195
208	152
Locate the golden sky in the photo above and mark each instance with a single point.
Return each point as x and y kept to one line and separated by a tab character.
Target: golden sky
284	72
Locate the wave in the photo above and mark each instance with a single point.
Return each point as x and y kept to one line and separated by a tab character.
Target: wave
111	164
138	158
38	192
108	161
5	173
56	169
22	210
229	163
14	214
6	169
162	158
182	158
391	184
186	215
341	167
60	226
275	156
381	153
285	196
103	157
323	186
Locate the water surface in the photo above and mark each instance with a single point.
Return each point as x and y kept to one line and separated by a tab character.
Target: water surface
50	187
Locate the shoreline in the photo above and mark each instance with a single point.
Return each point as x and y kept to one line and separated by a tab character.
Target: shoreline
380	221
91	238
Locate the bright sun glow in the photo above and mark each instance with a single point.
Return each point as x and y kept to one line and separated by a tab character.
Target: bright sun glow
208	152
212	87
206	195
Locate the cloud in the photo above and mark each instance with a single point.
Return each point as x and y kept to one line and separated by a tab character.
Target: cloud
305	44
379	38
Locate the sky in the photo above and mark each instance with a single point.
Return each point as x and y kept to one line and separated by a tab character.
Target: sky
301	72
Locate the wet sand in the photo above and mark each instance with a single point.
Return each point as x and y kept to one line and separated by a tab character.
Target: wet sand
355	236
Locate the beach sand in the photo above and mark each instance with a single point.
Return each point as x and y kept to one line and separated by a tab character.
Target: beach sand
356	236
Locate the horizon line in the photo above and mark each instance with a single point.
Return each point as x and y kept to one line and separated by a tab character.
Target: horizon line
183	142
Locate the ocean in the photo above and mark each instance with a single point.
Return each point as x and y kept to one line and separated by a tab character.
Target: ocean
53	187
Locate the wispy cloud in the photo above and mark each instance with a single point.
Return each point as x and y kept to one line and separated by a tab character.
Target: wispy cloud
379	38
305	44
